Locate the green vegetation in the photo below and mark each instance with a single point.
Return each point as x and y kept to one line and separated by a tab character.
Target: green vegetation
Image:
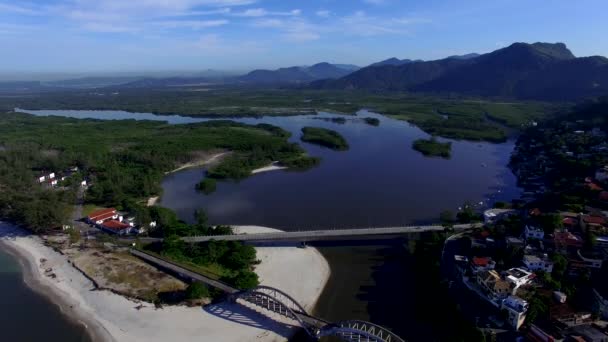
197	290
324	137
372	121
125	163
229	261
433	148
447	117
207	186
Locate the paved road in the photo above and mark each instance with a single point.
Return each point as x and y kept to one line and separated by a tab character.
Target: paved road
319	235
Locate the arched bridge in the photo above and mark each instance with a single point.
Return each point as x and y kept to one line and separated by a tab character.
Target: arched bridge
278	302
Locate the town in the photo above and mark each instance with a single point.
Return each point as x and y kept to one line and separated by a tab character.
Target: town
539	262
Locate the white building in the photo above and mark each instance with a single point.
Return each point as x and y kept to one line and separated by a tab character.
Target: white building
518	277
516	309
495	215
536	263
532	232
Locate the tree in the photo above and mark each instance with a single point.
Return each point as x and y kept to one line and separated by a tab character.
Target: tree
466	214
197	290
560	263
447	218
551	222
245	280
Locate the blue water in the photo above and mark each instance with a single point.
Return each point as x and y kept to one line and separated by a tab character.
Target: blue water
26	315
379	181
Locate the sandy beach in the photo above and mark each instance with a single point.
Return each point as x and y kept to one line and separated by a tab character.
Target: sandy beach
272	167
109	317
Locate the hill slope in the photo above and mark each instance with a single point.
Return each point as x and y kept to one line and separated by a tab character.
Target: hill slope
298	74
540	71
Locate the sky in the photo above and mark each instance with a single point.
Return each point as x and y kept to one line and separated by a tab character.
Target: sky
152	35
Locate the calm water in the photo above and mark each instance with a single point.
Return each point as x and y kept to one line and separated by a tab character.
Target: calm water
380	181
27	316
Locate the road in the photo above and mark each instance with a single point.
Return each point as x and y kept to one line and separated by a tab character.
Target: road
320	235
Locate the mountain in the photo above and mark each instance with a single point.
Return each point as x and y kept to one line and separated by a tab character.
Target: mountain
298	74
392	77
541	71
392	61
168	82
92	82
467	56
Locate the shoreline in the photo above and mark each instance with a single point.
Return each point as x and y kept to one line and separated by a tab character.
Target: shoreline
68	307
106	316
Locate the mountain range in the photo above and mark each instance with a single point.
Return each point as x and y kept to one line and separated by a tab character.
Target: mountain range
539	71
298	74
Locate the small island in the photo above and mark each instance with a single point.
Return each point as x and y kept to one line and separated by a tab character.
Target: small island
324	137
433	148
207	186
372	121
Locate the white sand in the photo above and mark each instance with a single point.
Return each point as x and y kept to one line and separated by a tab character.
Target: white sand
271	167
299	272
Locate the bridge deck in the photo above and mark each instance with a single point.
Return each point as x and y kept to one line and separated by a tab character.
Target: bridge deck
316	235
168	265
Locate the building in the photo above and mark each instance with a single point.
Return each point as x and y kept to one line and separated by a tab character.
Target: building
537	263
100	216
516	309
564	241
480	264
518	277
601	175
493	285
532	232
513	242
495	215
116	227
560	297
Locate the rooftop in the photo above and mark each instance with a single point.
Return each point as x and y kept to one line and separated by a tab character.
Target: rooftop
115	225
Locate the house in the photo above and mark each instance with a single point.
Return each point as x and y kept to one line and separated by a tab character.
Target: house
480	264
513	242
493	285
516	309
495	215
566	240
518	277
116	227
536	263
532	232
100	216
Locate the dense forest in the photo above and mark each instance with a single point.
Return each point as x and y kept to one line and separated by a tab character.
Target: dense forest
124	161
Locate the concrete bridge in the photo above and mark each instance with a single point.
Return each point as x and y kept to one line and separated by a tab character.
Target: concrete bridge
324	235
273	301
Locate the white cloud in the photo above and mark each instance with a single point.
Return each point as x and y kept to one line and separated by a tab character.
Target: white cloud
261	12
10	8
193	24
323	13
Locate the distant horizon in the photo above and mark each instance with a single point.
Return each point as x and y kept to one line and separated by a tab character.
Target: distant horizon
112	36
48	76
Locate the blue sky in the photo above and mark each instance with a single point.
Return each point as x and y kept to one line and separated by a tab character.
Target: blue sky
144	35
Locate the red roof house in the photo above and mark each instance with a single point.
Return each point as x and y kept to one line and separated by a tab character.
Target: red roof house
116	227
99	216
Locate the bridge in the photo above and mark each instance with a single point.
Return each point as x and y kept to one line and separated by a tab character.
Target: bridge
274	301
321	235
